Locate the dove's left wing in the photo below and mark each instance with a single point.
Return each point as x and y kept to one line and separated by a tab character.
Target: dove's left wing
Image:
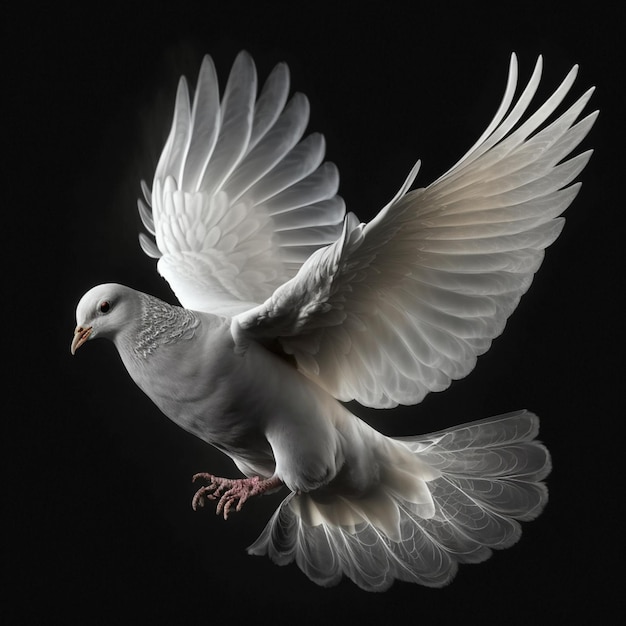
404	304
239	201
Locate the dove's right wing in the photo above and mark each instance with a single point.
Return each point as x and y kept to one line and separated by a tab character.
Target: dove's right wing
239	200
404	304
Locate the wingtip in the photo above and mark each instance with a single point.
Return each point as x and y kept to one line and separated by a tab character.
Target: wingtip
590	92
149	247
146	191
573	73
243	60
281	72
207	72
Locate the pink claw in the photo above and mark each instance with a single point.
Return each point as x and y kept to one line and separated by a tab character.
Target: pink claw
231	490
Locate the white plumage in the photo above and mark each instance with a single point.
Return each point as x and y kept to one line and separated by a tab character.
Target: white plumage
291	305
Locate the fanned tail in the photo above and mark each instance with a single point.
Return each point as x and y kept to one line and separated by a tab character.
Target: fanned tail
481	478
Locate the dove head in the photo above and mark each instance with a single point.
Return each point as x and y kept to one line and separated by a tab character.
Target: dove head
105	311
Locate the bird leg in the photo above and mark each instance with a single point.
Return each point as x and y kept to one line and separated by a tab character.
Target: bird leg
231	490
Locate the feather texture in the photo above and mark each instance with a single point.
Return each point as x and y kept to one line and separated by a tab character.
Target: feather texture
404	304
483	478
248	229
239	200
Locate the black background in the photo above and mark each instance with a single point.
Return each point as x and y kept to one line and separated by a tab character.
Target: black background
98	523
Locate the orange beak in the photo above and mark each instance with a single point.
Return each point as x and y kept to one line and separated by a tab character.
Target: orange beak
80	336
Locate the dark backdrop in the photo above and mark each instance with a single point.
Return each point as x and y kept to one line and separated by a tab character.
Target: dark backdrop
98	523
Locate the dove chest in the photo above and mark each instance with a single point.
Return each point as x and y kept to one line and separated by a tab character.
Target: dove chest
205	388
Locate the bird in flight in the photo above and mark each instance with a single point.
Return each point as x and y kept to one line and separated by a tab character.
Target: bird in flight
291	306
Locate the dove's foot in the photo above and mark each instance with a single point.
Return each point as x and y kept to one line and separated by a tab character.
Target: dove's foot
230	490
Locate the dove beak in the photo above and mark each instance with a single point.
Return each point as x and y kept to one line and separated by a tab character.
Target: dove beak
80	336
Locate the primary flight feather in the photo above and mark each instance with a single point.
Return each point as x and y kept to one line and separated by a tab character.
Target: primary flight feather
291	306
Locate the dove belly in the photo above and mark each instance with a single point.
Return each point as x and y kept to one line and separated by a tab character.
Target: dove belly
264	414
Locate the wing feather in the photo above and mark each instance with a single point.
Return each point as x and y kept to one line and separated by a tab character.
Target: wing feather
237	112
206	118
173	154
239	200
404	304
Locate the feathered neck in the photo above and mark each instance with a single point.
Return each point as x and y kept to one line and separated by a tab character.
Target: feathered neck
160	324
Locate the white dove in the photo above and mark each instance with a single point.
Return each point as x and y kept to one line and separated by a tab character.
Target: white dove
292	306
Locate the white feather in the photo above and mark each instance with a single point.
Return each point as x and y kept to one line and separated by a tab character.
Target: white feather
252	236
239	166
404	276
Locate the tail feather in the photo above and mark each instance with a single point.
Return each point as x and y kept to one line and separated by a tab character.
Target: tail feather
483	478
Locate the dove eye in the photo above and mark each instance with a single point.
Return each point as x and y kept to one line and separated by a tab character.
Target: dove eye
104	307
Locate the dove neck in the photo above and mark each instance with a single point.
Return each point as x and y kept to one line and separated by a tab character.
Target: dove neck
159	324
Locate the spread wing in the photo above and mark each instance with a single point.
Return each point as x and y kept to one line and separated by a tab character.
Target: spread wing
404	304
238	201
